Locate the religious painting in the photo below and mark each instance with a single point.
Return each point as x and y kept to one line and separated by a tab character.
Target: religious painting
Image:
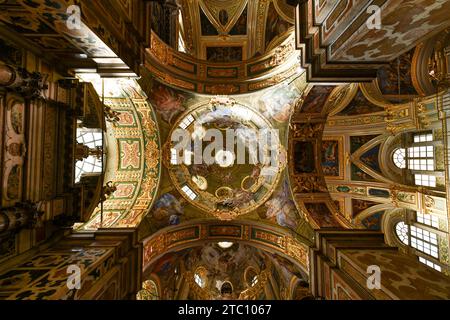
321	214
360	105
395	80
275	25
359	206
240	28
370	158
373	222
168	102
316	99
304	157
278	104
331	158
281	208
166	211
224	54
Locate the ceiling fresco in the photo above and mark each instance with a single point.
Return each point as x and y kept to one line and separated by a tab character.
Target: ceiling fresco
225	192
340	105
208	270
214	23
222	53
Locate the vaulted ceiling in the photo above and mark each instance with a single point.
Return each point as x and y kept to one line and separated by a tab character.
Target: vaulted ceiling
218	30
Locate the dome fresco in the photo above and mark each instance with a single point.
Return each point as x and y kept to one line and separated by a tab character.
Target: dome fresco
224	150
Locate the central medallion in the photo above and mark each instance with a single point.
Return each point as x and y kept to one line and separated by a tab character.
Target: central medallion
224	158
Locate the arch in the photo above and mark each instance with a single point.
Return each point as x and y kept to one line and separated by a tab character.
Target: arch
399	158
402	231
133	160
370	211
196	233
251	276
390	219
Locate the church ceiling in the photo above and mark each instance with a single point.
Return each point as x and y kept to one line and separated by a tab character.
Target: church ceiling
43	25
259	234
224	52
249	270
238	191
223	27
336	34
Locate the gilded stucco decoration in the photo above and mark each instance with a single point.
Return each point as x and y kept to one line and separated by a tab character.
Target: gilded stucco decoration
132	158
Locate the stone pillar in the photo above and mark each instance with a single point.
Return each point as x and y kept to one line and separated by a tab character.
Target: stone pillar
14	218
344	267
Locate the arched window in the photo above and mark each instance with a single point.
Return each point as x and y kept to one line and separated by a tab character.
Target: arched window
200	276
251	276
401	229
198	280
399	158
254	281
419	158
89	138
425	242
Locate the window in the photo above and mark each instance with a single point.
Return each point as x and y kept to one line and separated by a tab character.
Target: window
90	164
199	281
420	239
424	241
425	180
423	137
399	158
200	276
89	138
254	281
401	229
188	191
421	158
430	264
428	219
